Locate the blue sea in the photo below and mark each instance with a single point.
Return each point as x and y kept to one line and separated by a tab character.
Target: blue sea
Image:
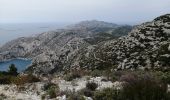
21	64
10	31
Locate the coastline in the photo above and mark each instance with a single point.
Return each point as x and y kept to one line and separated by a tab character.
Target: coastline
19	58
16	61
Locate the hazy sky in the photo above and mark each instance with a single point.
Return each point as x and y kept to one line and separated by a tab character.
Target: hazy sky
118	11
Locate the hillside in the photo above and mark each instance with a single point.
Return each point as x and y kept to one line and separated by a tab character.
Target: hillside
61	49
147	46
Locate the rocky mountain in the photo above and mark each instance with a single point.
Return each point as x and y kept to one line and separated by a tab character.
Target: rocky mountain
56	50
146	47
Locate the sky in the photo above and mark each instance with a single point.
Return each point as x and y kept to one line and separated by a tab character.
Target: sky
63	11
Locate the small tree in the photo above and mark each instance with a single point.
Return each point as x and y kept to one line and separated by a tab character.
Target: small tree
12	70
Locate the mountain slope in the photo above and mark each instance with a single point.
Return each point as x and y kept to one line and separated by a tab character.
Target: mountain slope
62	49
147	46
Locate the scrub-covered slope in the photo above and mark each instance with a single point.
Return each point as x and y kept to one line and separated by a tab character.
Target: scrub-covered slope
63	48
147	46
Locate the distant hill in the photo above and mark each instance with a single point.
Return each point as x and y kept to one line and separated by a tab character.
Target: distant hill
93	24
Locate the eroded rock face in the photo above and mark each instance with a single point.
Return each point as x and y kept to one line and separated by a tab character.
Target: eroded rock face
145	47
61	49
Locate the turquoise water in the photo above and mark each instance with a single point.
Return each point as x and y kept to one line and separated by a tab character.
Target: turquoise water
21	64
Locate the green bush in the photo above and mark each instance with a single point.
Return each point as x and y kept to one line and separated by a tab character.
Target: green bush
91	86
106	94
110	75
22	79
96	73
164	76
71	76
3	96
49	85
86	92
52	90
142	87
6	79
43	97
75	96
12	70
137	86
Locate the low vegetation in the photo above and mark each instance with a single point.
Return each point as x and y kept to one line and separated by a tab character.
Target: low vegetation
75	96
143	87
22	79
12	77
136	86
73	74
91	86
106	94
52	90
3	97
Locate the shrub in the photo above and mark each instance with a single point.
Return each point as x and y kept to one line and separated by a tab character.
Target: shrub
51	89
72	75
43	97
49	85
142	87
104	80
96	73
5	79
86	92
72	95
3	96
111	76
136	86
12	70
20	80
106	94
91	86
164	76
75	96
7	76
52	92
